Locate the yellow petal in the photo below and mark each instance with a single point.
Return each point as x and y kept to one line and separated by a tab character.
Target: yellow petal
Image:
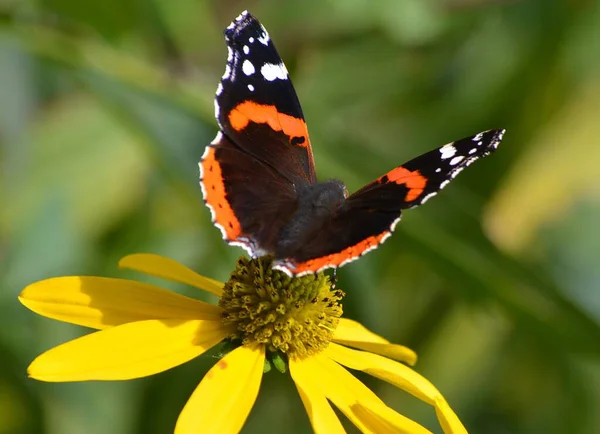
322	417
397	374
355	400
339	386
354	331
354	334
388	370
169	269
382	419
223	399
128	351
450	422
101	302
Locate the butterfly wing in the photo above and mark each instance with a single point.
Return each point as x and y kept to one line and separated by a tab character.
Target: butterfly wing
251	171
256	105
368	217
248	200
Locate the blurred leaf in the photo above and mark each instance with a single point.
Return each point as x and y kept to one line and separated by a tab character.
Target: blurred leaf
585	42
111	18
572	246
190	17
171	136
557	169
16	107
411	21
20	406
486	275
90	54
80	153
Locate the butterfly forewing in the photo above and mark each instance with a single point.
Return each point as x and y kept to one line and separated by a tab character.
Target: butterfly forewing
256	104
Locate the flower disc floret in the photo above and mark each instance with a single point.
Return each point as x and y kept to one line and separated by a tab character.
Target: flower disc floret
295	316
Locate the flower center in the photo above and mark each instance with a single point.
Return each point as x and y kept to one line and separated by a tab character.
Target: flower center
293	315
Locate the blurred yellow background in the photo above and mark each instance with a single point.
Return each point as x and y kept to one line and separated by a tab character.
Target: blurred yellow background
105	110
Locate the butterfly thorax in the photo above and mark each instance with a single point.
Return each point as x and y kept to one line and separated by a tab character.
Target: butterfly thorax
317	203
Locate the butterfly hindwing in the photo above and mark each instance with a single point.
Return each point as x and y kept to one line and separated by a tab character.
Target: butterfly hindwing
249	201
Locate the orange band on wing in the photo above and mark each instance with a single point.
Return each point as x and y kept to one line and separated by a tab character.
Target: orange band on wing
249	111
216	197
414	181
346	255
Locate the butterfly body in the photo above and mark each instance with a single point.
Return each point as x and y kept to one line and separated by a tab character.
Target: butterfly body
259	180
317	204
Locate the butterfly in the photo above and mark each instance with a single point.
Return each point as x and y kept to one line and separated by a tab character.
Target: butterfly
258	175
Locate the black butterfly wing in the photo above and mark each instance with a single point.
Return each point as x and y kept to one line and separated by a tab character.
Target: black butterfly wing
249	201
368	217
256	105
251	171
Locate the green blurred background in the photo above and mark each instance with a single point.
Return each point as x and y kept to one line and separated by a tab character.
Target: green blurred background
105	110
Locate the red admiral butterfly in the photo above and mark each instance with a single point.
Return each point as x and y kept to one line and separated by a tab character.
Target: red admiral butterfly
258	175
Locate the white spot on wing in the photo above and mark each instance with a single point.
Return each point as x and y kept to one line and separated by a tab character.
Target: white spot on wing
246	49
219	88
394	223
246	245
264	38
383	239
229	54
248	67
426	198
477	137
217	109
251	39
472	151
251	88
438	170
241	16
498	139
460	169
456	160
216	140
285	267
227	73
271	72
447	151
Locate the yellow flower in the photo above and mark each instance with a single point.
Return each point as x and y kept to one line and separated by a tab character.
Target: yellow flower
269	316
